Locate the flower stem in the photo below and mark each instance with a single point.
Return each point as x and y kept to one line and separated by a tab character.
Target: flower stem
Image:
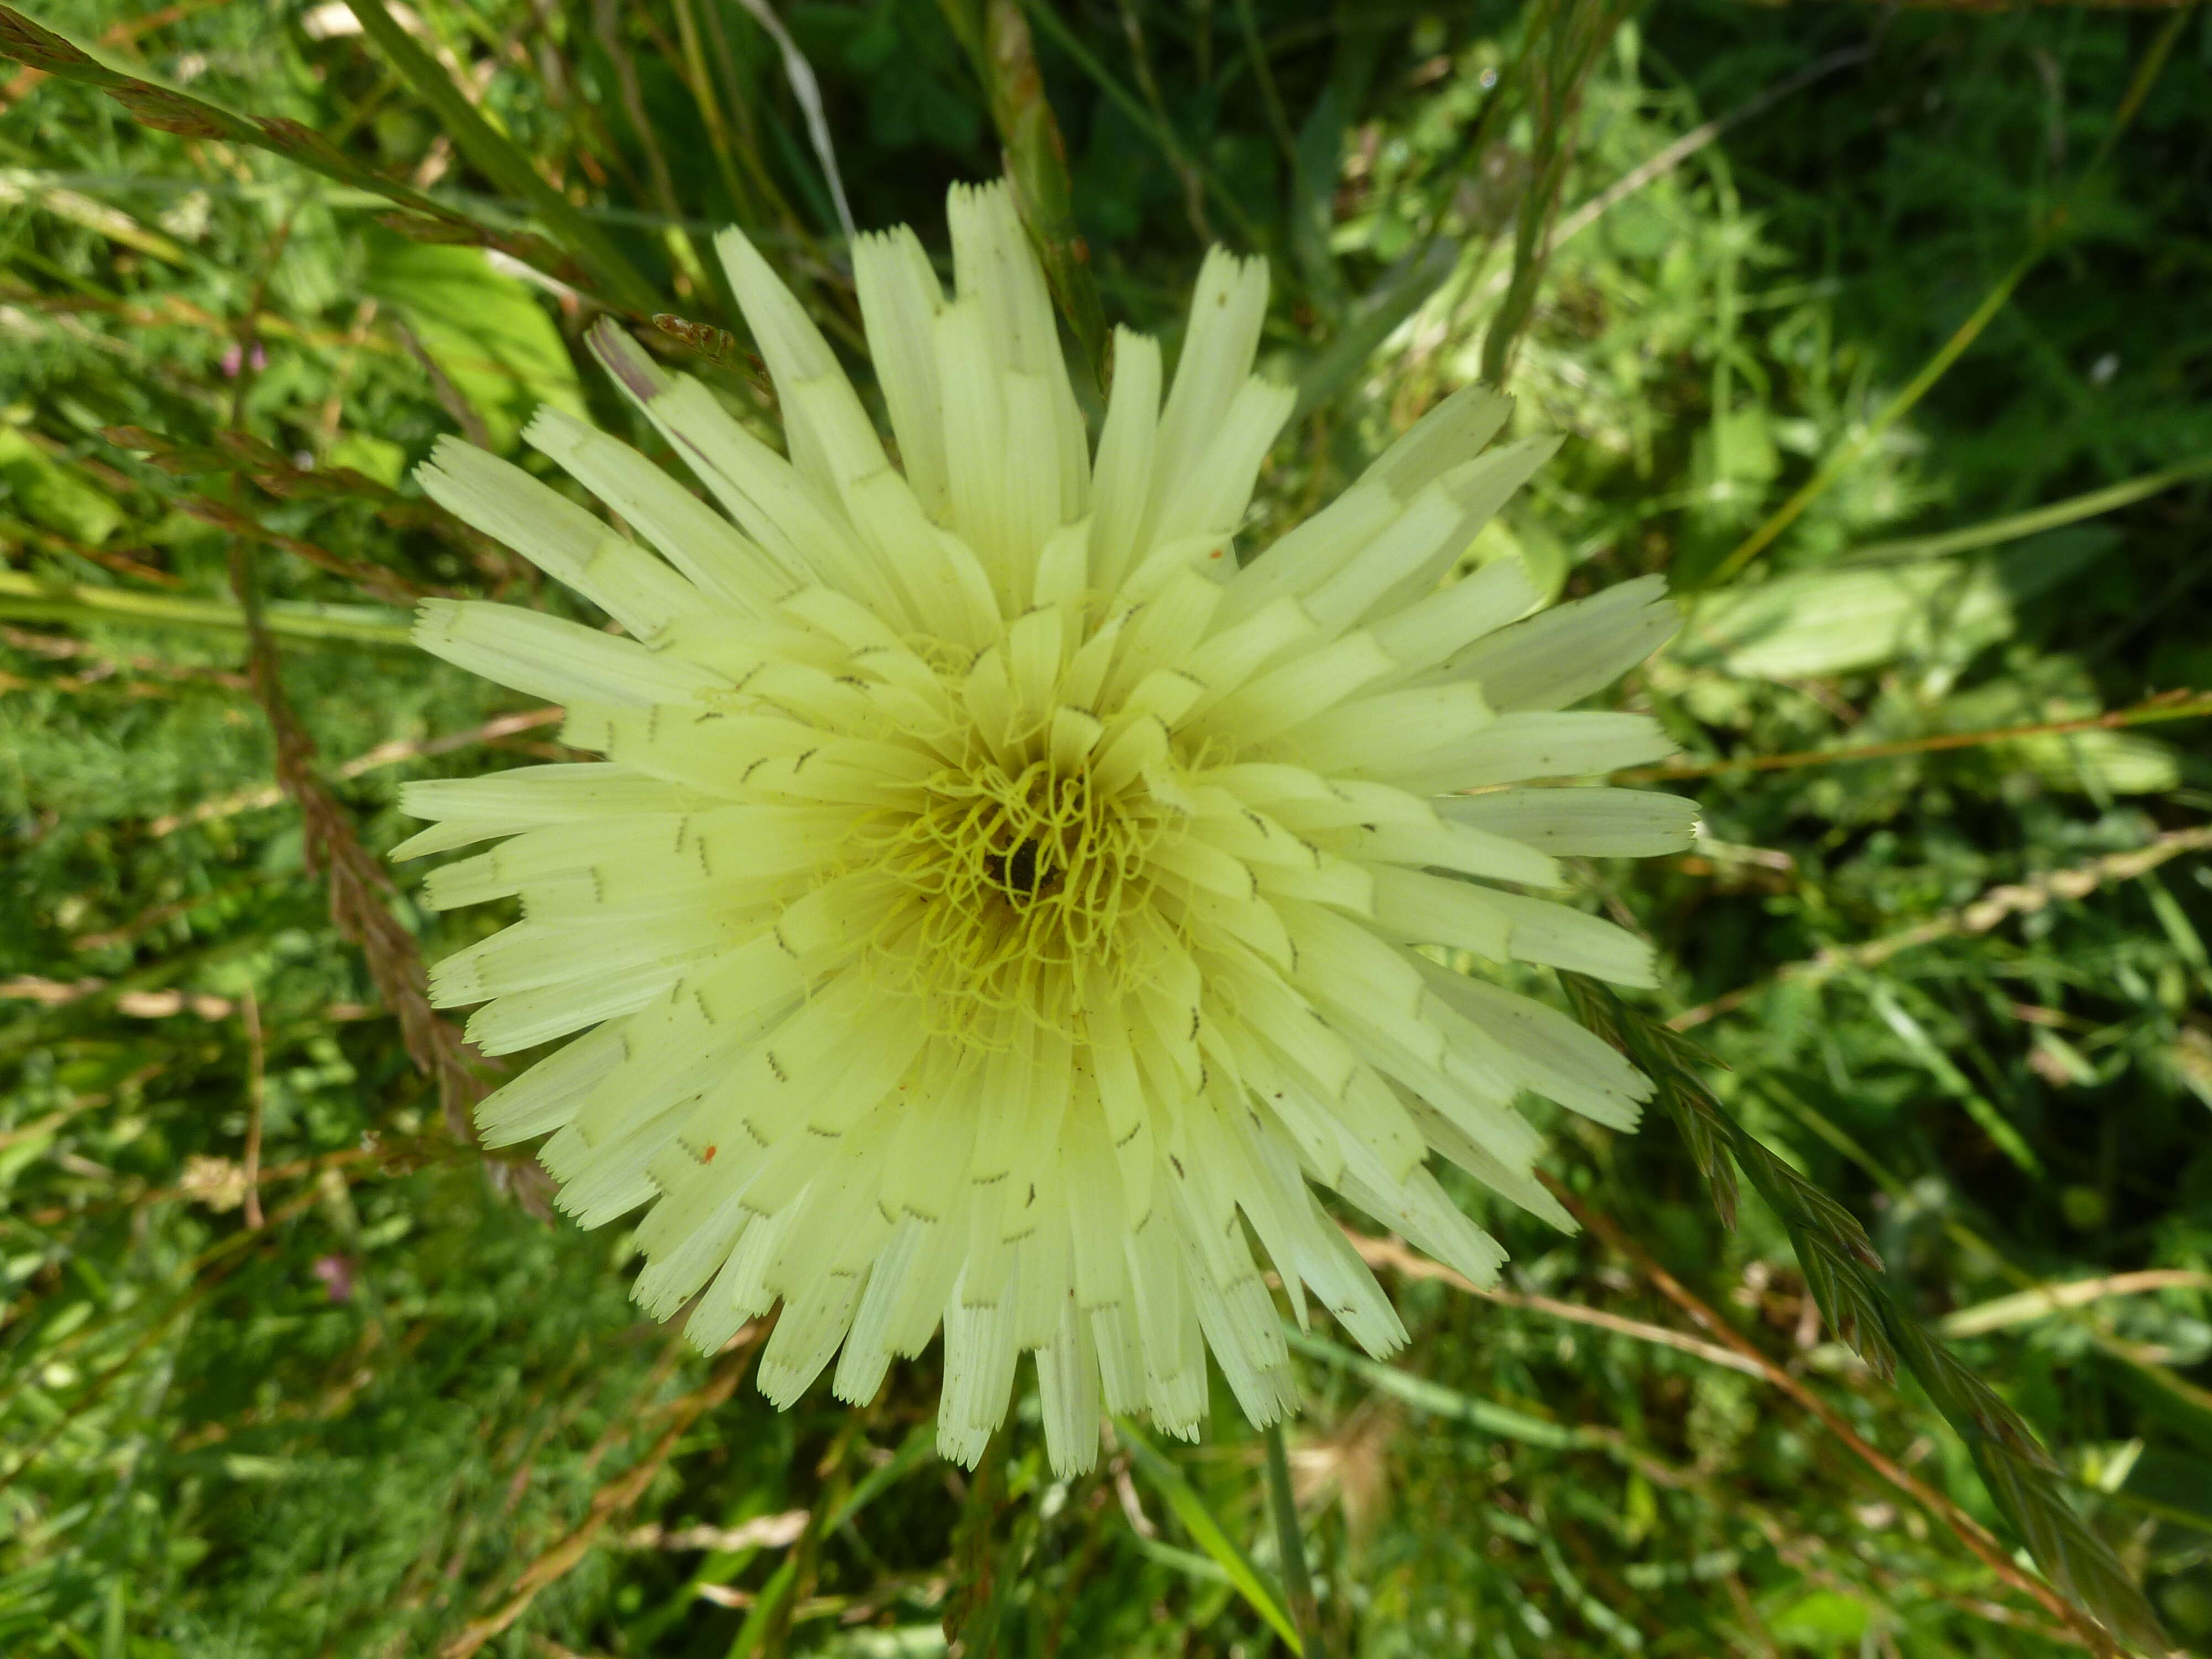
1297	1579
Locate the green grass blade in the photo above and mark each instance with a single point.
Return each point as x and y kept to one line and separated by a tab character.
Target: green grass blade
1388	303
491	149
1991	1121
1208	1532
1843	458
1849	454
1036	162
1438	1399
169	109
1290	1541
764	1609
1171	146
2075	509
917	1448
33	598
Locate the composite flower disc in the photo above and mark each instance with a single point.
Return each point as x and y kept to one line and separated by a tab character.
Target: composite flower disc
998	909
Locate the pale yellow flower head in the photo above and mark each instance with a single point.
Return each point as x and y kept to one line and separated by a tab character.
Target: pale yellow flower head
998	908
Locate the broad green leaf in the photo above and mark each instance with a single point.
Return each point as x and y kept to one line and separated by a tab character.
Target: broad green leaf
370	456
2092	763
484	329
47	493
1824	1619
1860	617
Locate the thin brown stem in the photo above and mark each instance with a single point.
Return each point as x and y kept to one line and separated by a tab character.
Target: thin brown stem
2177	705
249	1013
359	889
493	731
1389	1252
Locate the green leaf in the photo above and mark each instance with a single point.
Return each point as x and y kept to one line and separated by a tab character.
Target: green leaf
1860	617
2072	510
492	151
41	489
917	1448
1207	1533
2089	763
1985	1112
485	330
1824	1619
1313	198
763	1610
372	457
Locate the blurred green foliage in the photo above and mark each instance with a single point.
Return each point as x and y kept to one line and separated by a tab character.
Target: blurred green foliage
1964	985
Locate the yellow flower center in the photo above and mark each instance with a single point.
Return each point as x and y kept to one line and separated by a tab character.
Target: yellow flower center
1024	880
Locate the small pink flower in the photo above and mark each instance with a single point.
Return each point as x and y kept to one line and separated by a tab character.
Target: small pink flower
337	1273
